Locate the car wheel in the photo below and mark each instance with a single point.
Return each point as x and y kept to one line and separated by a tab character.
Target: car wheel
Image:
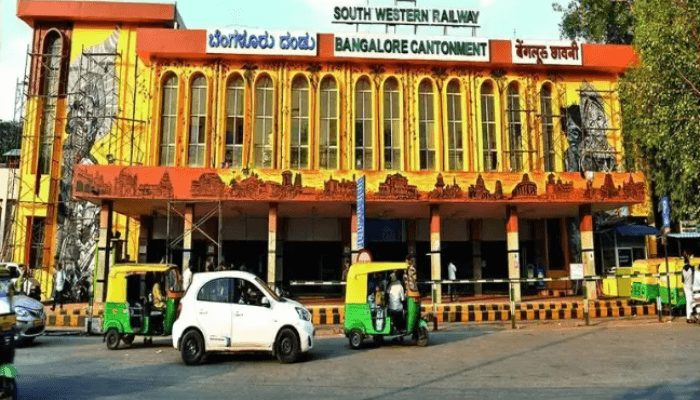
356	338
128	339
422	336
287	346
192	348
112	339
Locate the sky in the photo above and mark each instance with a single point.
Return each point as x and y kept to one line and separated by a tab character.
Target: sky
499	19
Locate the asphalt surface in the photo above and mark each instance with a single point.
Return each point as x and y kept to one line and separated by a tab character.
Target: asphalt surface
617	360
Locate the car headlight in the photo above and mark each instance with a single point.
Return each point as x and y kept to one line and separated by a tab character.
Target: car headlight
22	312
303	314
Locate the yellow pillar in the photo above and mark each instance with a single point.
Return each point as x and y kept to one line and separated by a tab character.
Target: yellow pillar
587	248
436	270
103	248
272	274
512	230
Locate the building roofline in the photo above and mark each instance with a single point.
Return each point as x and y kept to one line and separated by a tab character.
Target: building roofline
155	43
166	15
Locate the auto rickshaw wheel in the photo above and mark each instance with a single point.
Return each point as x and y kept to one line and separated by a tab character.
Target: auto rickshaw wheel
192	348
9	388
287	346
128	339
356	337
422	336
112	339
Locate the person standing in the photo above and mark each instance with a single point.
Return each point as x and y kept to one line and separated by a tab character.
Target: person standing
396	299
59	282
410	278
186	277
451	275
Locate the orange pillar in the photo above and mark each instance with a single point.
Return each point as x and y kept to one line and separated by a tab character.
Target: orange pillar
187	237
103	247
513	243
587	248
436	270
273	275
353	233
475	227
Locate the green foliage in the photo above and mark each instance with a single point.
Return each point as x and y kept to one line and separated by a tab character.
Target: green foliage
599	21
661	99
10	134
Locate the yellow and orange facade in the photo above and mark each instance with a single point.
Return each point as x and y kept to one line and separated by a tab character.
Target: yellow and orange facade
141	141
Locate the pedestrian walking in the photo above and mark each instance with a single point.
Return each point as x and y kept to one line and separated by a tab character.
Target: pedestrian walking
59	282
688	279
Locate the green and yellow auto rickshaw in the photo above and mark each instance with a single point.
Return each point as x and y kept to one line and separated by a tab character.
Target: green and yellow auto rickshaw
142	299
367	316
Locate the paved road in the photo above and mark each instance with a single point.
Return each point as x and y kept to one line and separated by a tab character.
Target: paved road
628	360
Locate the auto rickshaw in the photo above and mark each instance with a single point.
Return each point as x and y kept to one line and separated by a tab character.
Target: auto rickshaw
364	318
134	305
8	387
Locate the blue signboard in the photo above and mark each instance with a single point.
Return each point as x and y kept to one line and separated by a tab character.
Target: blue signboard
666	211
361	213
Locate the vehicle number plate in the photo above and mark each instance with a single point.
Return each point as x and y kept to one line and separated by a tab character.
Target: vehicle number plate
38	322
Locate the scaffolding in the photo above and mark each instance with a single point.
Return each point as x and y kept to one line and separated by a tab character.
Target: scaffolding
100	124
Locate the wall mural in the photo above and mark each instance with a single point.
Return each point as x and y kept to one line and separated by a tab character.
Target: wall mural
586	128
92	104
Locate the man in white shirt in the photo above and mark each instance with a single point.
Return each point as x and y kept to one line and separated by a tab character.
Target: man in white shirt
396	298
186	278
59	282
452	275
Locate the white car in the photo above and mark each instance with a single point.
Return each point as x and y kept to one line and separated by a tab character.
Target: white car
236	311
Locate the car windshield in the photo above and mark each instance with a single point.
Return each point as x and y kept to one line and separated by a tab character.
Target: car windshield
267	289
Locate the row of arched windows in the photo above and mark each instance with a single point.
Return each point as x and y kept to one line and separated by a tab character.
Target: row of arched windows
391	153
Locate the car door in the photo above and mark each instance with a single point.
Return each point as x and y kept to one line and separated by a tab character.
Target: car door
214	311
253	324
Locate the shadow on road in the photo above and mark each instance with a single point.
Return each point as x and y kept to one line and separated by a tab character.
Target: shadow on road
665	391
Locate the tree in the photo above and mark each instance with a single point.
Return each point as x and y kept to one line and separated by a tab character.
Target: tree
10	133
598	21
660	98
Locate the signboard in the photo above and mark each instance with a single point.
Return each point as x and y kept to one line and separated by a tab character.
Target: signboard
546	52
689	226
261	41
405	16
666	211
410	47
576	271
361	213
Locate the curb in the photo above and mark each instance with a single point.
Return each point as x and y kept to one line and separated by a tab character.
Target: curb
466	312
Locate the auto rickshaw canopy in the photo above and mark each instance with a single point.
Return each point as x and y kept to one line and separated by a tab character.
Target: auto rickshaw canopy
116	287
356	284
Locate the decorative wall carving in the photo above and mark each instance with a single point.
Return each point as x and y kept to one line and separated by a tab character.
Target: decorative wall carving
446	192
558	189
525	188
396	187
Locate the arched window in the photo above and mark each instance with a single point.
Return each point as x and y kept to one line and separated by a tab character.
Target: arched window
426	126
52	74
547	127
488	127
235	121
329	125
168	121
364	131
392	125
455	149
198	121
264	122
300	124
515	128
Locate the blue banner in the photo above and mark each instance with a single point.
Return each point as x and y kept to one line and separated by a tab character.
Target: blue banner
361	213
666	211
